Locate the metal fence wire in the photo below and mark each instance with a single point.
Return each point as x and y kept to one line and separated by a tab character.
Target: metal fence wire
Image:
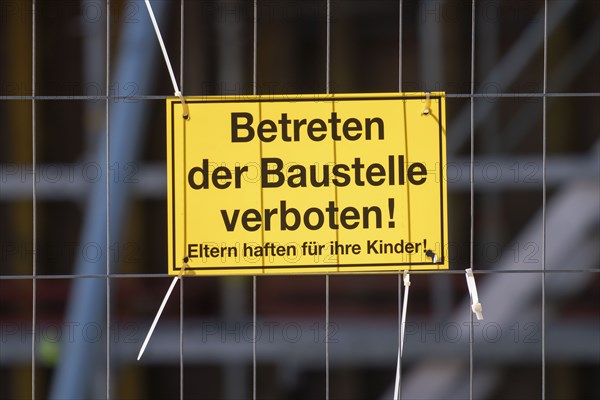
83	202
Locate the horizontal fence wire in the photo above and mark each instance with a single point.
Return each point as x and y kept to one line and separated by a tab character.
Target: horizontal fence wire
291	96
412	272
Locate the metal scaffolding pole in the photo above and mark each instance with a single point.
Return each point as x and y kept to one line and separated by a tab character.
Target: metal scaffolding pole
505	73
136	61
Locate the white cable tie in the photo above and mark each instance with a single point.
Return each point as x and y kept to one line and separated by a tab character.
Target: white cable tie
427	108
404	304
186	112
162	45
402	328
186	109
397	381
157	317
476	306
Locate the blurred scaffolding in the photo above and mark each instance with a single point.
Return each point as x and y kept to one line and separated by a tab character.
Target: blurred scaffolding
91	214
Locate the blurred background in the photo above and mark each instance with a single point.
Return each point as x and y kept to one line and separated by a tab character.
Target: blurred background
209	320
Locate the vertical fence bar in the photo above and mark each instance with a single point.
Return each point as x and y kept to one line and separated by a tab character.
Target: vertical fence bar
254	92
327	336
34	199
107	121
544	145
328	90
328	55
399	372
181	376
254	337
472	190
400	88
181	42
400	6
255	49
181	292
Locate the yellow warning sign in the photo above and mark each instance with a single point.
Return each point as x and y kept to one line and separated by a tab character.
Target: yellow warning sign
307	184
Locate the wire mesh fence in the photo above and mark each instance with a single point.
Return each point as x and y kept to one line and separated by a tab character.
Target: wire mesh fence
83	203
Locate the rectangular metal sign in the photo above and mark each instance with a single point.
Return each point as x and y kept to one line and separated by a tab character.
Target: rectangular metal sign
307	184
